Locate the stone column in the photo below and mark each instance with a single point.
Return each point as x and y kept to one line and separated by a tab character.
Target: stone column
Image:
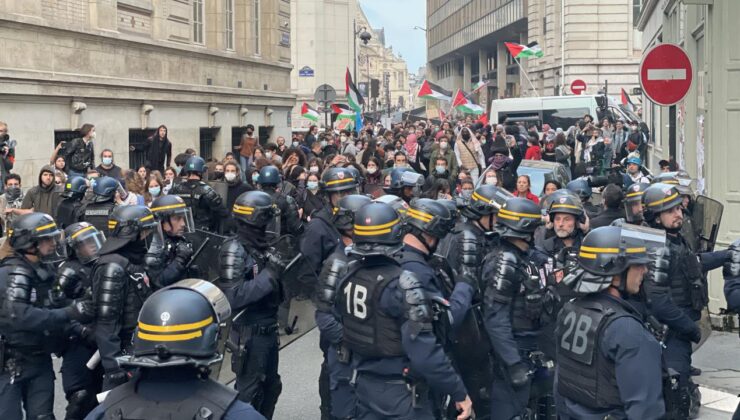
466	73
501	68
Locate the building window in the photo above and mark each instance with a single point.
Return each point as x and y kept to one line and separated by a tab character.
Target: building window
256	26
229	20
198	21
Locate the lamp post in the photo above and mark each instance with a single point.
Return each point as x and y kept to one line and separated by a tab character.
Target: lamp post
365	36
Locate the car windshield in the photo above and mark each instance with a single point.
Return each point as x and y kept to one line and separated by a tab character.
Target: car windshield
536	177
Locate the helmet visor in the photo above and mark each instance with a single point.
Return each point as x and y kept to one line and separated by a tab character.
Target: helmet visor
633	211
636	241
179	222
86	243
52	248
152	234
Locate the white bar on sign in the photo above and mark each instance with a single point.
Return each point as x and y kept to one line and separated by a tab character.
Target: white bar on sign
666	74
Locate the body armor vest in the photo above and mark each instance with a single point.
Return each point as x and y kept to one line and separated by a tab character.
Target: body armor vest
367	330
97	214
210	401
265	308
586	376
68	212
685	272
193	192
134	292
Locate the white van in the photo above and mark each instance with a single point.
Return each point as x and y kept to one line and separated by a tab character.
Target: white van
557	111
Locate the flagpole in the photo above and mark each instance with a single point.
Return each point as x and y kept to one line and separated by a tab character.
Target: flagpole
521	69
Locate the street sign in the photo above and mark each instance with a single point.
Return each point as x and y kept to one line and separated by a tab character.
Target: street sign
666	74
578	86
305	71
325	94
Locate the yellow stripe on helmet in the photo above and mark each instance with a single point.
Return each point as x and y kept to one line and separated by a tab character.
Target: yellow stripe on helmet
49	226
147	218
340	181
372	233
663	200
81	231
176	328
169	337
513	213
420	215
170	207
376	227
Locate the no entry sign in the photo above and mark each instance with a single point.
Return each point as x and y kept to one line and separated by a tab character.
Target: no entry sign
666	74
578	86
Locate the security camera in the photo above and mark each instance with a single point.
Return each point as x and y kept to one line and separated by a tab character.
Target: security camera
365	37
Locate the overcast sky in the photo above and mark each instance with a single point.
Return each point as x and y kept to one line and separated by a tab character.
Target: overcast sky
398	17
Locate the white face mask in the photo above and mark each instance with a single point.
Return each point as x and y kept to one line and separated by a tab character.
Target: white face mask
314	169
268	155
372	170
230	176
443	145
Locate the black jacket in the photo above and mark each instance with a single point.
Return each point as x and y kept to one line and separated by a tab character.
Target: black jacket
158	153
80	156
606	217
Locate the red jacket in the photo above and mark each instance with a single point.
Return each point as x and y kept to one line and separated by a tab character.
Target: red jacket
529	196
533	153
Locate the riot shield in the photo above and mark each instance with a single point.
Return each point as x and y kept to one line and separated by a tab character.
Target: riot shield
706	218
222	188
298	279
205	259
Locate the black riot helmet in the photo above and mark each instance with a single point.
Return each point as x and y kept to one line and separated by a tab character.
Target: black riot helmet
402	178
452	207
105	189
633	207
344	213
37	233
254	208
75	187
659	198
194	165
430	217
337	180
394	201
679	179
610	250
581	188
518	218
269	175
85	240
130	224
378	230
168	206
567	204
486	200
179	325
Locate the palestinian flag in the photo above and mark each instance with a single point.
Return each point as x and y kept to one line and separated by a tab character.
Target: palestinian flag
309	113
463	103
524	51
480	85
353	94
429	90
626	101
343	111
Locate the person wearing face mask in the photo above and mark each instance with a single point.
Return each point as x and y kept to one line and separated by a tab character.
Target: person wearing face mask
505	166
10	201
373	185
313	202
440	171
154	186
346	144
442	149
80	153
469	153
107	167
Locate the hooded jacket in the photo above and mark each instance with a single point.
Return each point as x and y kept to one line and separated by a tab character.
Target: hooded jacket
42	198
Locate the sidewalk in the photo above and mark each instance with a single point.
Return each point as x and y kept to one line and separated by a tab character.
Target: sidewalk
719	382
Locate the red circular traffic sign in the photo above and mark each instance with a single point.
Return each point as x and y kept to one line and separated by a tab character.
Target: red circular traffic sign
666	74
578	86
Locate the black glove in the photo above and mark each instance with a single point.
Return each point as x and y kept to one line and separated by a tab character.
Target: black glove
183	252
113	379
732	264
518	374
695	335
275	265
82	311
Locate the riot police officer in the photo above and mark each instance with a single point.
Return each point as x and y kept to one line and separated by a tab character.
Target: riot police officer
27	321
405	183
121	285
71	209
249	278
387	327
679	303
290	222
512	306
169	262
609	364
74	281
98	210
337	395
174	344
633	208
207	206
582	189
731	272
321	236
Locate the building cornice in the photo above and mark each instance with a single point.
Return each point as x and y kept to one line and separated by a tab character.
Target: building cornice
646	12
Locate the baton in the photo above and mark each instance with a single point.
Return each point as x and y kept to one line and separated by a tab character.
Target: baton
197	252
94	361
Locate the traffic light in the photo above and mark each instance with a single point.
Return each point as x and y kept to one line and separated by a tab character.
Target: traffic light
374	88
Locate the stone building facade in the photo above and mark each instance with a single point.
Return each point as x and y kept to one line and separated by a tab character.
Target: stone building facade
203	68
591	40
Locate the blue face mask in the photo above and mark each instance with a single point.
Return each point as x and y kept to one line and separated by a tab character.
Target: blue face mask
312	185
255	177
440	169
154	191
107	161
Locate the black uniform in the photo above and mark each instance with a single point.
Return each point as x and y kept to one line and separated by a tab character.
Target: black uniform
608	362
97	214
70	210
207	206
290	221
166	264
254	296
27	326
119	289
